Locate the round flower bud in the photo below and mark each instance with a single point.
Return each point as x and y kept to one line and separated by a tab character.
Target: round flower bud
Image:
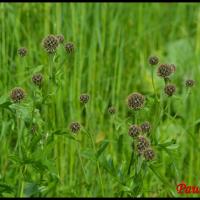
22	51
164	70
149	154
17	94
153	60
189	83
170	89
37	79
69	47
84	98
135	101
50	44
134	130
75	127
145	127
112	110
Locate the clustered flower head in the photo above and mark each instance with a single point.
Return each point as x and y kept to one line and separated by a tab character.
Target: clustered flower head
112	110
135	101
50	44
134	130
153	60
149	154
164	70
37	79
60	38
22	51
69	47
170	89
189	83
17	94
145	127
84	98
75	127
142	144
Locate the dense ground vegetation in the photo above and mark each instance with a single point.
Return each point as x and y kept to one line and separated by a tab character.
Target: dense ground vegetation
84	108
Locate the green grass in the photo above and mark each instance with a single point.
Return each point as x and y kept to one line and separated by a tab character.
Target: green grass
112	45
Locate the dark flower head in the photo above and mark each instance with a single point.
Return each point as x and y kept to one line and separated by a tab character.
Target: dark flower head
134	130
37	79
142	144
22	51
135	101
69	47
75	127
164	70
145	127
189	83
60	38
84	98
112	110
153	60
17	94
170	89
149	154
50	44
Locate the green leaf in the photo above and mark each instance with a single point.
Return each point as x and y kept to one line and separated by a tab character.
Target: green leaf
6	188
88	154
102	148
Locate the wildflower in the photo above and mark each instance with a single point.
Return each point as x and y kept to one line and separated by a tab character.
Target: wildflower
75	127
84	98
142	144
149	154
145	127
50	43
170	89
189	83
134	130
69	47
135	101
60	38
22	51
112	110
153	60
17	94
164	70
37	79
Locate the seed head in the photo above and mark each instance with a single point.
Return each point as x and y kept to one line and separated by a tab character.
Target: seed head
134	130
153	60
84	98
189	83
60	38
145	127
50	44
149	154
135	101
17	94
22	51
112	110
164	70
170	89
142	144
37	79
75	127
69	47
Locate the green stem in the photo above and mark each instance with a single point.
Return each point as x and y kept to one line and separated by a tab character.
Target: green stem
153	84
98	168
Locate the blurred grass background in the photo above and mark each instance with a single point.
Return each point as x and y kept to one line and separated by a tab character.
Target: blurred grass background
113	43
